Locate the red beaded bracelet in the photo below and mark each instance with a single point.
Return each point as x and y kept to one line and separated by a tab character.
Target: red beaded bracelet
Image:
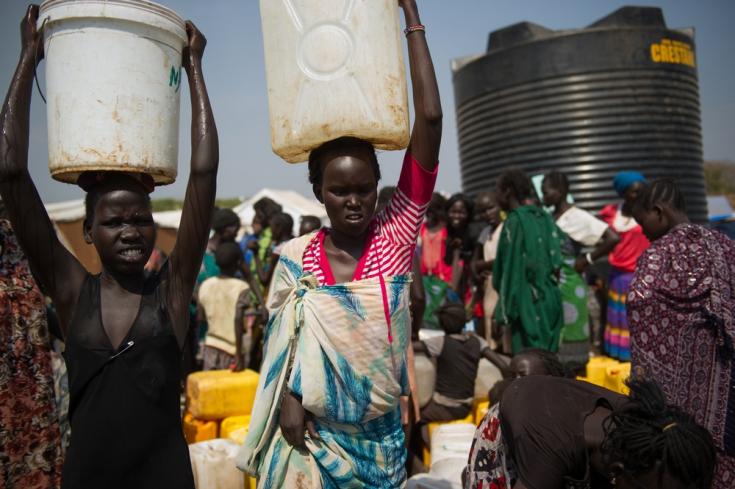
413	28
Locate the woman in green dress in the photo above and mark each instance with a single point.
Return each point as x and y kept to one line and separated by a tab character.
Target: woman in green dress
526	269
577	229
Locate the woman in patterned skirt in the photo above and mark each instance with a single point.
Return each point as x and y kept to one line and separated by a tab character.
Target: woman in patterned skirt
681	311
633	243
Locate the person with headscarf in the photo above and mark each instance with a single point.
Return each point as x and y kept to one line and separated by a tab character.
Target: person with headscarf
681	312
628	185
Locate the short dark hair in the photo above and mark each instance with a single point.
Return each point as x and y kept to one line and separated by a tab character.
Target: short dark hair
551	361
314	221
227	255
224	218
96	184
437	206
647	431
284	220
452	317
663	191
268	207
557	180
518	183
345	145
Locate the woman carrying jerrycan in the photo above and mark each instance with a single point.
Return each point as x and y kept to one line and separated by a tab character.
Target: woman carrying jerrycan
326	412
123	332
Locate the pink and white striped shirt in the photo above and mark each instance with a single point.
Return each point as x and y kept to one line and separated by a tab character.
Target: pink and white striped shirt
393	231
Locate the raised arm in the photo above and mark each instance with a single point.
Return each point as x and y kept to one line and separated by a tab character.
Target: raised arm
196	217
59	273
426	134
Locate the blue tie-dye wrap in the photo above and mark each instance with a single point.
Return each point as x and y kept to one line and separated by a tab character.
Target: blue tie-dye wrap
330	345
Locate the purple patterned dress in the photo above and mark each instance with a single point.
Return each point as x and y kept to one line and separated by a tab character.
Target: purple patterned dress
681	312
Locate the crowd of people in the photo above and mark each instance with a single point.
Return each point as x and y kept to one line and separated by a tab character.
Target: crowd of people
332	320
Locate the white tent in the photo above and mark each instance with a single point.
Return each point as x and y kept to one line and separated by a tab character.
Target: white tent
167	219
71	210
293	203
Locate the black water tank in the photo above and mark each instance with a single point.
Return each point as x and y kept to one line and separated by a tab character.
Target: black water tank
620	94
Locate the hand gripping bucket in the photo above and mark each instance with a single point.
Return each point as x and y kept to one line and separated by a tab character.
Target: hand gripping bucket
113	82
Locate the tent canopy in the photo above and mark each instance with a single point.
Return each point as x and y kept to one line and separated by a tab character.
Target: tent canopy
293	203
69	211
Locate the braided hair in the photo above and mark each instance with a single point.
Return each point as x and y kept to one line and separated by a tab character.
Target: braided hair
663	191
342	146
518	183
647	432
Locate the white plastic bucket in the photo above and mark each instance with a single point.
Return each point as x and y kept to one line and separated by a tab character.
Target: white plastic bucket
334	68
113	79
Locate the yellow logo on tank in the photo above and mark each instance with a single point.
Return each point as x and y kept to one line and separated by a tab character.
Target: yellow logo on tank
675	52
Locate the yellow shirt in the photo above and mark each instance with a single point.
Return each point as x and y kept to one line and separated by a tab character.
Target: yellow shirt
218	296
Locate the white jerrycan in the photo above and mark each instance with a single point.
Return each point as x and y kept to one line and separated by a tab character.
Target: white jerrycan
113	78
334	68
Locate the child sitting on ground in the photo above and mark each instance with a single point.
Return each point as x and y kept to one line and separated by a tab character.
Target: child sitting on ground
223	300
458	357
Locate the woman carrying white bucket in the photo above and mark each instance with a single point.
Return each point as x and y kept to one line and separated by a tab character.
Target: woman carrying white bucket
123	332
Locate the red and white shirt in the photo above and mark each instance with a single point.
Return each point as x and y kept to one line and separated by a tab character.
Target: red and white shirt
393	231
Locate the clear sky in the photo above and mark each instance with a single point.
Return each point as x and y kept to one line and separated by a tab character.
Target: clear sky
234	69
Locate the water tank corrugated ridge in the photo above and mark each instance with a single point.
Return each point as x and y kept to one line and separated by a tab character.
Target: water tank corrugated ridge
589	124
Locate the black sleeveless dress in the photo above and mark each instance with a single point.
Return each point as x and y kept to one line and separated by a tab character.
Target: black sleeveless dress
124	408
